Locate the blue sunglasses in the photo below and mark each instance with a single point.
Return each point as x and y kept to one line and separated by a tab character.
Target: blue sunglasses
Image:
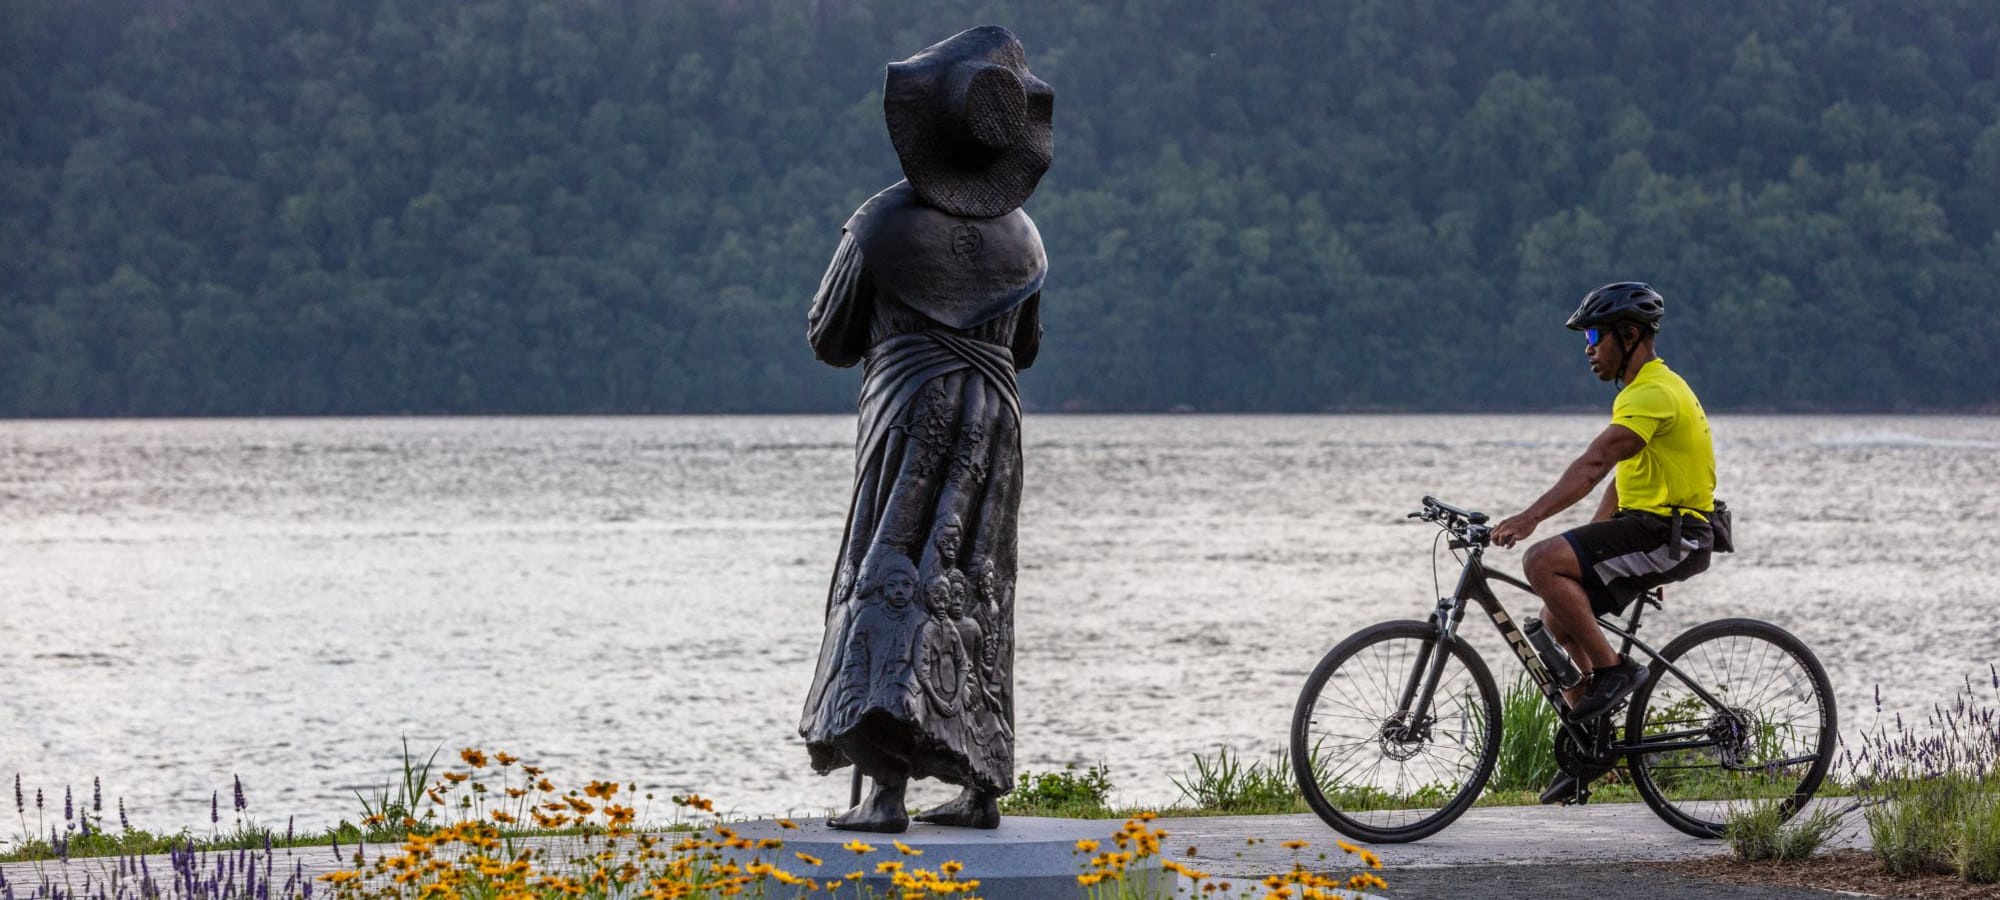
1593	336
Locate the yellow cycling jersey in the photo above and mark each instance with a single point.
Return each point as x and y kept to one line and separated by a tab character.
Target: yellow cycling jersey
1677	466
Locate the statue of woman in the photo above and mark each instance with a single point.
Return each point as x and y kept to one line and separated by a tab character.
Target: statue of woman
936	287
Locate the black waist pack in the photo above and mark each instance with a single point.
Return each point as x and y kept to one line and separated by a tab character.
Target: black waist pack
1718	522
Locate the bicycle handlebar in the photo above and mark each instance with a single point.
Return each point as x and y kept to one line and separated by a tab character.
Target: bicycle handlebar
1464	524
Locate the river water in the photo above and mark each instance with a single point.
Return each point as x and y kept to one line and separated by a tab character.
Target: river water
637	599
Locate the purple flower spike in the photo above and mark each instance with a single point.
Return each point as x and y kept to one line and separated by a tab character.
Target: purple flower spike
240	803
38	800
1878	699
69	809
97	795
20	802
215	808
123	823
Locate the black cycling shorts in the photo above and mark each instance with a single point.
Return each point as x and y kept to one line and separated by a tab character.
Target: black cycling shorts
1629	553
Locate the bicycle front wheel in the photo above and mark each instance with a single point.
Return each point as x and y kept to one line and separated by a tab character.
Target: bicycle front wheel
1366	762
1770	739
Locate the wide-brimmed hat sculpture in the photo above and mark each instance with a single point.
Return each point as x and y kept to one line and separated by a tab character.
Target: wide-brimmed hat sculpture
972	128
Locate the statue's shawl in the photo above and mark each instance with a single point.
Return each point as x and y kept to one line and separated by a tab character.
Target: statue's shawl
956	270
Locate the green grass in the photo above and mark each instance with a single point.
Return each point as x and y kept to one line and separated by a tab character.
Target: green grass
1527	760
1229	785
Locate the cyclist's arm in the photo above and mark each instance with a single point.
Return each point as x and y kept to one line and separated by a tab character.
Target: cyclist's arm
1607	507
1614	443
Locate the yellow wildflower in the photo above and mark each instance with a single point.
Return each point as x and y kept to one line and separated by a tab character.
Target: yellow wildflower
906	849
857	848
808	859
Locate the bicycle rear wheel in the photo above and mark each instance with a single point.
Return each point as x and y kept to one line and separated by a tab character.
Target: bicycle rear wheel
1773	733
1364	764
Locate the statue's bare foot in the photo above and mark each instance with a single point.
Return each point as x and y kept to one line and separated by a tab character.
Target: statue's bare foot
970	809
881	813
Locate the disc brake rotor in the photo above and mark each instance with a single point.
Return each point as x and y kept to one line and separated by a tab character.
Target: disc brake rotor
1399	740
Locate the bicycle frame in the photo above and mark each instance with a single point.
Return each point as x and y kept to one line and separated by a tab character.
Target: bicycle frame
1474	584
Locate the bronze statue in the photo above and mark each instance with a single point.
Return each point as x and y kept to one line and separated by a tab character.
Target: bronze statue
936	287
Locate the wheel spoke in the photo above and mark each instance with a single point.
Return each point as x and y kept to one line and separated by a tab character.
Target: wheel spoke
1770	740
1365	765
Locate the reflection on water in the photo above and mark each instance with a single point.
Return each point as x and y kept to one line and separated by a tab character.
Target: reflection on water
637	599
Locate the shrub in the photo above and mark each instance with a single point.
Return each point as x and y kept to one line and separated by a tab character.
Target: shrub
1066	794
1932	792
1978	853
1912	831
1758	832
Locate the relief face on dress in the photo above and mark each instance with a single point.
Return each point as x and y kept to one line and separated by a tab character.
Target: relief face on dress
935	288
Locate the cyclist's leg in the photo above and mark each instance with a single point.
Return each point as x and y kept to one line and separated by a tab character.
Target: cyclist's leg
1557	576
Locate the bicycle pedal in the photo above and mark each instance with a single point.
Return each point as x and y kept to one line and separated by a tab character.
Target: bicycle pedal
1581	797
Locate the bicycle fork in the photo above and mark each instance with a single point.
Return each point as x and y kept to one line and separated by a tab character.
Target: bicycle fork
1421	688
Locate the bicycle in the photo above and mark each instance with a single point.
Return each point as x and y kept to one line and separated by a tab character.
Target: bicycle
1398	728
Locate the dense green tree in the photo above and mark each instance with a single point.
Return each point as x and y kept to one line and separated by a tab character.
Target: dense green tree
380	206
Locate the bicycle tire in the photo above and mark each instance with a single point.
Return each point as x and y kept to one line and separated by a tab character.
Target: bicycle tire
1366	662
1781	702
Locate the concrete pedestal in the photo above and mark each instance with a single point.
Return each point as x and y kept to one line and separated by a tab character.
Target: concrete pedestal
1024	859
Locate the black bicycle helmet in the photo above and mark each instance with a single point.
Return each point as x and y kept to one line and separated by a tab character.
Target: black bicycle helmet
1624	301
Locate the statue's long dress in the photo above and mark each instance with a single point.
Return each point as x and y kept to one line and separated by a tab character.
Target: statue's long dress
942	311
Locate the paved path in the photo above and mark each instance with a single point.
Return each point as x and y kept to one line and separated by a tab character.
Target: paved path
1579	852
1595	882
1495	835
1561	853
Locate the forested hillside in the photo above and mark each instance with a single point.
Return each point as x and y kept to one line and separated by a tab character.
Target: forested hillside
374	206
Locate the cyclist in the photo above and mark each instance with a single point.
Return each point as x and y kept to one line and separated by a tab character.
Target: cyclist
1651	526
